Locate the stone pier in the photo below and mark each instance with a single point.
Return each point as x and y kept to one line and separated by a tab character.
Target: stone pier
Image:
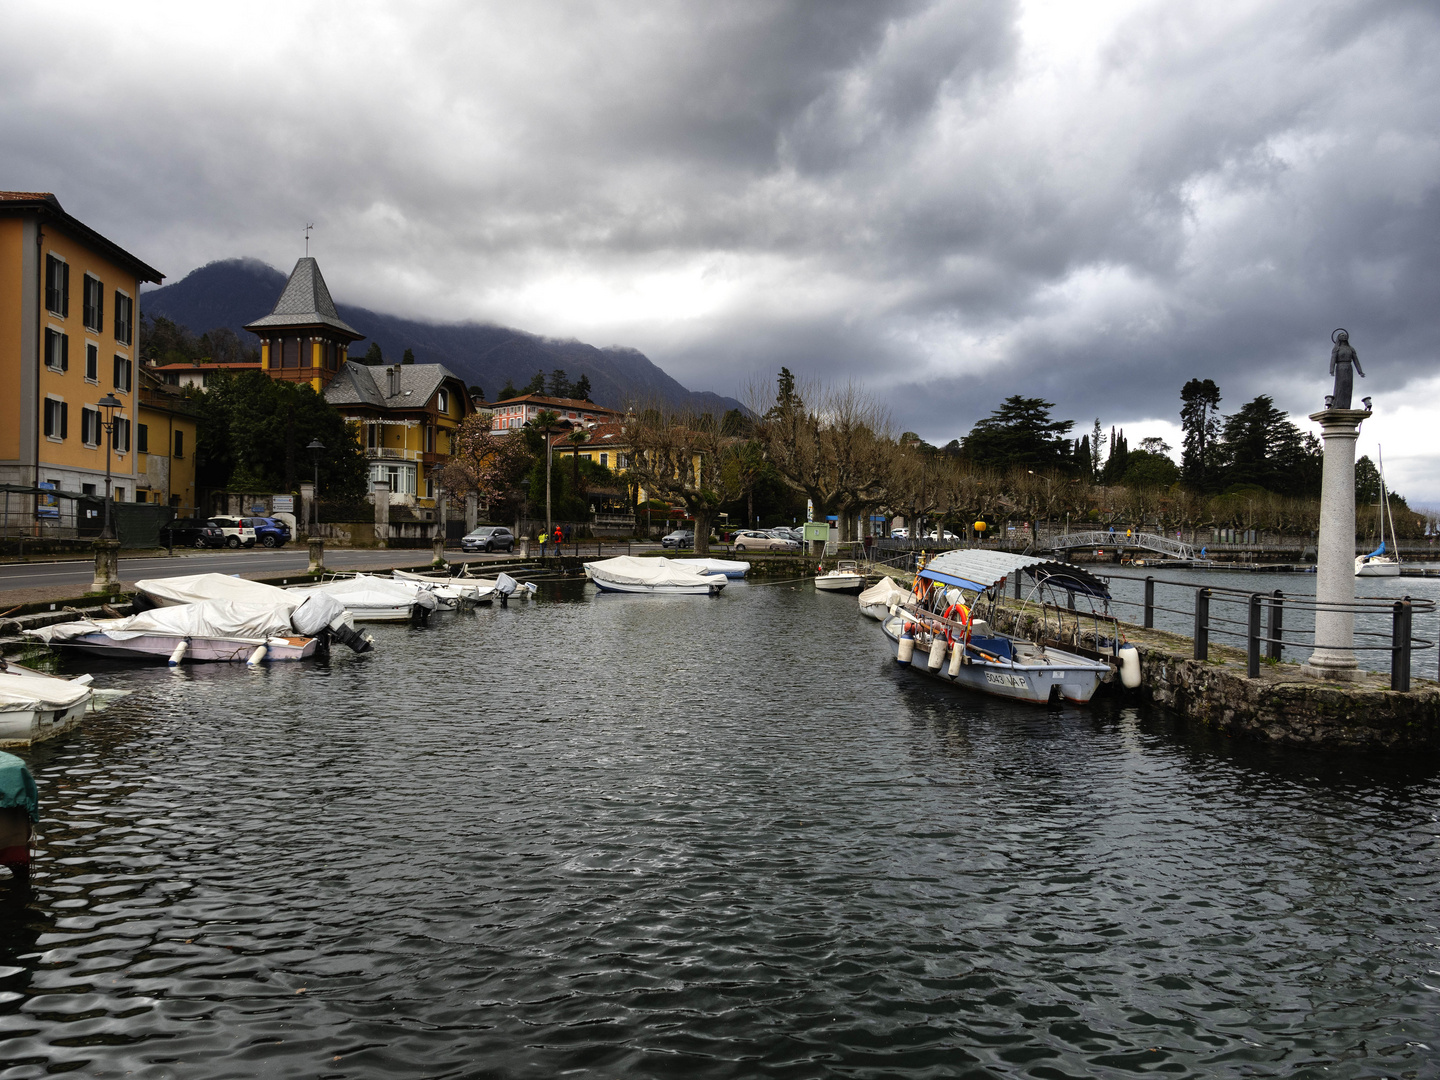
107	566
381	491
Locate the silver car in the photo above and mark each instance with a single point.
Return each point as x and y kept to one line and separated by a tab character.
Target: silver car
752	540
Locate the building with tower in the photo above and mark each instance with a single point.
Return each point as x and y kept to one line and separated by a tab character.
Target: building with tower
304	339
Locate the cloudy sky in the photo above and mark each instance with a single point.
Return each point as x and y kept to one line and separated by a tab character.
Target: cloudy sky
950	201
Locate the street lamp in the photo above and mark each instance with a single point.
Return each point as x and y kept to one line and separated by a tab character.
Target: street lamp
315	447
109	403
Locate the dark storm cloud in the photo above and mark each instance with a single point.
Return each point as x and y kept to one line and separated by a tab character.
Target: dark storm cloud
952	201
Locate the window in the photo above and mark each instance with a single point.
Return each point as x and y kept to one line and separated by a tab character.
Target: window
92	362
442	401
57	350
124	317
290	352
604	461
140	495
87	489
57	286
90	427
119	494
120	435
57	419
179	444
142	438
429	488
94	304
122	373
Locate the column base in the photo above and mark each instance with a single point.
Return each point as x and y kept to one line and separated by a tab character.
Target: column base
107	566
1331	668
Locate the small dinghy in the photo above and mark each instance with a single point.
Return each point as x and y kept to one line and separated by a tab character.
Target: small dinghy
845	578
626	573
876	601
36	706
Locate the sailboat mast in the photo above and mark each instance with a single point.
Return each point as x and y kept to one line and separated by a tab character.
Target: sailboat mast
1385	511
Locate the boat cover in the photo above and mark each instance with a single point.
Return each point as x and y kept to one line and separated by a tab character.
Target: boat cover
886	592
372	592
21	693
17	786
717	566
631	570
979	569
210	619
193	588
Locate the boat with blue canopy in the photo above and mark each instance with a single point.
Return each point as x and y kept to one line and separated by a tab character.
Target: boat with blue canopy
948	629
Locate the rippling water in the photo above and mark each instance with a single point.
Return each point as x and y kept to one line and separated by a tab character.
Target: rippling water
627	836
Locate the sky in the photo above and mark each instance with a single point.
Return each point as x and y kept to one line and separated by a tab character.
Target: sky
946	202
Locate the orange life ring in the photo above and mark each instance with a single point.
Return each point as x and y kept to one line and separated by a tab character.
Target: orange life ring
961	614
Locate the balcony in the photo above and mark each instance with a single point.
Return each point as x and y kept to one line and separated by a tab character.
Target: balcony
390	453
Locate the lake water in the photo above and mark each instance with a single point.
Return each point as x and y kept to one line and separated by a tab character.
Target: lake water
630	836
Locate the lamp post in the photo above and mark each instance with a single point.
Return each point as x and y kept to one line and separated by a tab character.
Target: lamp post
109	403
315	447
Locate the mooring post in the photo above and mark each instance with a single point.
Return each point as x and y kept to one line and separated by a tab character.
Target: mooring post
1017	584
1277	624
1202	624
1252	638
1149	603
1400	645
1070	599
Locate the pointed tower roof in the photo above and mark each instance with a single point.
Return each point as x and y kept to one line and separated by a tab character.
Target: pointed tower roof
305	302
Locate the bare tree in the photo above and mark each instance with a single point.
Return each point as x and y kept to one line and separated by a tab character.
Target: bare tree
684	457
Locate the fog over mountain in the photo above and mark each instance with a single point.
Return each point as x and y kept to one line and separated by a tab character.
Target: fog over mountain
948	200
233	292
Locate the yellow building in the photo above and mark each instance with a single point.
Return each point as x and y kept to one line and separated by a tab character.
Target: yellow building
69	335
304	339
165	446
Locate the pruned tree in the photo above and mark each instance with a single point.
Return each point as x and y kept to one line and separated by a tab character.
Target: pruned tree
684	457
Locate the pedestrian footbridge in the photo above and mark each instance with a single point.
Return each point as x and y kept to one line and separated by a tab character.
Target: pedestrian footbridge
1101	538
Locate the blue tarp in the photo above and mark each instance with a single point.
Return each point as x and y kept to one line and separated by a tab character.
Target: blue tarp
1378	551
17	786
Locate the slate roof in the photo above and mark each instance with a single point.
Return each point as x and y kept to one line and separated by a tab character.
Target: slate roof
361	384
305	302
48	208
568	404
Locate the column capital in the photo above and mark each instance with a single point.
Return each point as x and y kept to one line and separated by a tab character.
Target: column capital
1340	421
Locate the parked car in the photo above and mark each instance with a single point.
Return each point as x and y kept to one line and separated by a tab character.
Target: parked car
488	538
680	538
945	536
234	532
784	532
183	532
900	534
269	532
753	540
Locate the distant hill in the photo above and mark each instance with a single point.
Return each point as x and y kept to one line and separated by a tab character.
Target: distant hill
233	292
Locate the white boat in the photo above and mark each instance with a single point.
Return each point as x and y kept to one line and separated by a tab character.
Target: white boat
376	599
944	635
845	578
876	601
627	573
729	568
36	706
224	630
1380	562
451	592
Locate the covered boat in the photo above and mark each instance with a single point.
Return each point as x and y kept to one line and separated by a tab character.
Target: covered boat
626	573
949	635
19	811
876	601
36	706
376	599
730	568
451	592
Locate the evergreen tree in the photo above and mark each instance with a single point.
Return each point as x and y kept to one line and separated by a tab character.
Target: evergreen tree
1097	448
408	357
1260	446
508	391
1083	464
559	384
373	357
1020	434
1367	482
1119	459
581	389
535	385
1200	418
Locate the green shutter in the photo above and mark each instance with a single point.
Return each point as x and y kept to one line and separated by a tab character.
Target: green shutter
64	420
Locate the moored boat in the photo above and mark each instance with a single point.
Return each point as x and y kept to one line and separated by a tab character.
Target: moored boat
949	635
36	706
845	578
876	601
656	576
375	599
729	568
1381	562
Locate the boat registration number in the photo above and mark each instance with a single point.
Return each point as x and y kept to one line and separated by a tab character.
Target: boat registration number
1000	678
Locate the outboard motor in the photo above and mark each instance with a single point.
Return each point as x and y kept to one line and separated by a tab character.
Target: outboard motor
323	616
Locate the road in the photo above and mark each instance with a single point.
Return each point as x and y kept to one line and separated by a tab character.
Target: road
259	562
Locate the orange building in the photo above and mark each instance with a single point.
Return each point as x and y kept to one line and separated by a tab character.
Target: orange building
69	335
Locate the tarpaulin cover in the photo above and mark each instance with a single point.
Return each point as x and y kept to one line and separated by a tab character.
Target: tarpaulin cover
372	592
630	570
728	567
20	693
17	786
194	588
211	619
884	593
318	611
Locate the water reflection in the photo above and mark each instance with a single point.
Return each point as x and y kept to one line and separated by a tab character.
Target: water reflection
701	837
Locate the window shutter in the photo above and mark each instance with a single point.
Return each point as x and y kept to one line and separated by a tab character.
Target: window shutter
65	290
99	306
64	352
49	419
64	420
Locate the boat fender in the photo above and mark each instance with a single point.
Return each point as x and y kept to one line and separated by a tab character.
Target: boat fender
1129	666
179	652
256	656
907	646
937	652
957	657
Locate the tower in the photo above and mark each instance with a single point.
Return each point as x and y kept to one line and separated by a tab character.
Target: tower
304	339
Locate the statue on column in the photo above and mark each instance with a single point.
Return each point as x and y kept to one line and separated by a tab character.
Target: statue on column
1342	358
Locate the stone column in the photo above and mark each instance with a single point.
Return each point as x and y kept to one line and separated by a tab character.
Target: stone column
438	546
472	512
306	508
381	491
317	556
107	566
1334	657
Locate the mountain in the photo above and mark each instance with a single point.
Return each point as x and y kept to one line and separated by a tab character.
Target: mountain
233	292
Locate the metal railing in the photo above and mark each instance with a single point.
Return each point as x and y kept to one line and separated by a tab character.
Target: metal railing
1260	622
